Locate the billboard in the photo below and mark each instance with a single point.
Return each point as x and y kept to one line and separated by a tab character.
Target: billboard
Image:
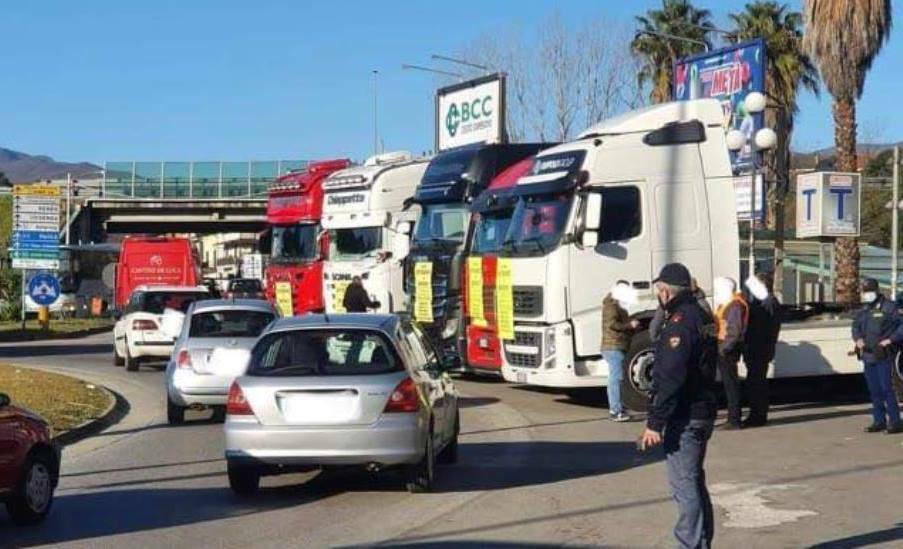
727	74
827	204
471	112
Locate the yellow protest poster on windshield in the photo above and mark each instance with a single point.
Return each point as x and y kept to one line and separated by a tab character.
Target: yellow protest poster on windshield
423	291
284	298
339	287
504	298
475	291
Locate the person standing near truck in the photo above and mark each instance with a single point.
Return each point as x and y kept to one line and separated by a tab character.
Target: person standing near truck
658	319
683	403
617	329
761	339
877	330
356	299
731	318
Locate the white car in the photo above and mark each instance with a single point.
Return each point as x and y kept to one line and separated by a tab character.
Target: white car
140	333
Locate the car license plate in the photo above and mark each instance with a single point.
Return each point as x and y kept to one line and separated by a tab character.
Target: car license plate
521	377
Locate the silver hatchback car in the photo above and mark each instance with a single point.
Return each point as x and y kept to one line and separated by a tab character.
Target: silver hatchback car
341	390
211	351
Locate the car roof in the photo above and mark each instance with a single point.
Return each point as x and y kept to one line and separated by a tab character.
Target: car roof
233	304
169	288
358	321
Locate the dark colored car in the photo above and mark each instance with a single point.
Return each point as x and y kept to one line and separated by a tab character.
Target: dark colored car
29	463
244	288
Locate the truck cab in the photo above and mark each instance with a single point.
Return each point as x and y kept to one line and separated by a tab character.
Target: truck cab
452	180
631	194
490	215
294	206
369	227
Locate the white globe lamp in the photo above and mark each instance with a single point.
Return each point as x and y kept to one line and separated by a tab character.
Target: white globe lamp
754	102
766	139
735	140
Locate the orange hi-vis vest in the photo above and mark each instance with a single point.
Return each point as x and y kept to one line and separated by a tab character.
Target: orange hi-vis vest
720	324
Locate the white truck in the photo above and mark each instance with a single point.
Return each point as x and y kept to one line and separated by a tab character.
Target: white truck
370	229
628	196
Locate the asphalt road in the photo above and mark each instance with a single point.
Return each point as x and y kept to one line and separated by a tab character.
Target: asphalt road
536	469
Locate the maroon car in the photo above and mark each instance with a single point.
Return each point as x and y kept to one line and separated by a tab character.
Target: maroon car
29	463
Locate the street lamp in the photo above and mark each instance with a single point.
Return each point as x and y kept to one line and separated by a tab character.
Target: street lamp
764	139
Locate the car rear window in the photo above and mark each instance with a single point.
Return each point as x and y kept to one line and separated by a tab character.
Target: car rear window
229	323
324	353
157	302
245	286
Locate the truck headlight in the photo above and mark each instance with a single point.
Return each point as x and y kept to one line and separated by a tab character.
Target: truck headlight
549	346
451	328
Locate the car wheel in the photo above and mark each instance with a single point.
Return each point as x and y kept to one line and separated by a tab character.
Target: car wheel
33	497
117	360
422	474
450	452
175	414
637	379
243	481
131	363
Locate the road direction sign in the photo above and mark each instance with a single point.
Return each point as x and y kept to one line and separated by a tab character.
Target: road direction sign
36	226
44	289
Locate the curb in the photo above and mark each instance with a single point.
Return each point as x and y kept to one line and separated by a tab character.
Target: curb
116	410
33	336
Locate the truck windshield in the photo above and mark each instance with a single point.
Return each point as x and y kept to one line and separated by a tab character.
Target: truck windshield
354	243
295	243
490	229
537	224
442	222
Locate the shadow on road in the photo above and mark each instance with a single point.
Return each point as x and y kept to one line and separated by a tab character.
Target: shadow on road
21	351
867	539
473	402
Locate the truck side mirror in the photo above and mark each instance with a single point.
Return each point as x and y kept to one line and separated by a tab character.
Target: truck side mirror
401	246
592	220
323	245
589	239
404	227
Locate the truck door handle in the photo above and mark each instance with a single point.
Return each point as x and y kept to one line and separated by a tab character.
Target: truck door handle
641	284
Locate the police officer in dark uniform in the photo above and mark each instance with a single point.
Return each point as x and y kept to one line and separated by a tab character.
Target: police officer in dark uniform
877	330
682	410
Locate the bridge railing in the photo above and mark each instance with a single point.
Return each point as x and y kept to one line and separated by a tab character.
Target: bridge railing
193	179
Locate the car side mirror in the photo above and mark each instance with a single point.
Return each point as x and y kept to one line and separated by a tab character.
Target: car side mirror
4	400
323	245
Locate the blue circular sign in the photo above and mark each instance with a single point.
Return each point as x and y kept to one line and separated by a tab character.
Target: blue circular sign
44	289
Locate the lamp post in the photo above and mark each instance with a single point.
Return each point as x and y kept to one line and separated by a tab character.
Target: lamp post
764	139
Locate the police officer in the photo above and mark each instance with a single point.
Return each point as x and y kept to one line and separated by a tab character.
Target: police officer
877	329
682	410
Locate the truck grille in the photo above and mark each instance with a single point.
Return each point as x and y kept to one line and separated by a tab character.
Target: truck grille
525	360
528	301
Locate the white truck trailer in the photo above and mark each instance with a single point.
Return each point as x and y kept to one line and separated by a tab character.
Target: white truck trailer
630	195
370	229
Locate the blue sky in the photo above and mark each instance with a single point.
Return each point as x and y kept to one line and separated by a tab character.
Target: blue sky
224	79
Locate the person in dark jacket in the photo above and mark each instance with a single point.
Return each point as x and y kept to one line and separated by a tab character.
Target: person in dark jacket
877	329
761	338
731	319
356	299
617	330
682	409
658	319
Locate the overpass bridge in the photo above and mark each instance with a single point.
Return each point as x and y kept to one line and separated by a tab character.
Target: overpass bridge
168	197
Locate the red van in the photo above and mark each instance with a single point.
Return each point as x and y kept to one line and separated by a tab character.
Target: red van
154	260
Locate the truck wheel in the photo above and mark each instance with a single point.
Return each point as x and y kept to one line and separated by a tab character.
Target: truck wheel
243	481
637	382
33	496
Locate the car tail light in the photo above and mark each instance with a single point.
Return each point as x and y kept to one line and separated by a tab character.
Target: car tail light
142	324
237	404
404	398
184	359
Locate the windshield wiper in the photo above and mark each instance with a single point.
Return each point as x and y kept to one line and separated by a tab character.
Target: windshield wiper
537	240
510	242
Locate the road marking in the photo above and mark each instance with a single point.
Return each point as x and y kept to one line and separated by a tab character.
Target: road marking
747	508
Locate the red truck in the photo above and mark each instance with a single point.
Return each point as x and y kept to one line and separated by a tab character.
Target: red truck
294	277
490	217
154	260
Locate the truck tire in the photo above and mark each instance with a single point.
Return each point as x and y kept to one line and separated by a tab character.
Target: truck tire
637	381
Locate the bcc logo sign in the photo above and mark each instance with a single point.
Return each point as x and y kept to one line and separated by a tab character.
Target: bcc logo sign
467	111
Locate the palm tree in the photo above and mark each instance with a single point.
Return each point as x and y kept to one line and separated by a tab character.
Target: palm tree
843	37
677	18
788	69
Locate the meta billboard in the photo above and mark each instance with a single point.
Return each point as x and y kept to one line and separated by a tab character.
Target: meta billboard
827	204
728	75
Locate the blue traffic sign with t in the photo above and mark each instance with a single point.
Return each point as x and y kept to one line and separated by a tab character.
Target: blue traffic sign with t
44	289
